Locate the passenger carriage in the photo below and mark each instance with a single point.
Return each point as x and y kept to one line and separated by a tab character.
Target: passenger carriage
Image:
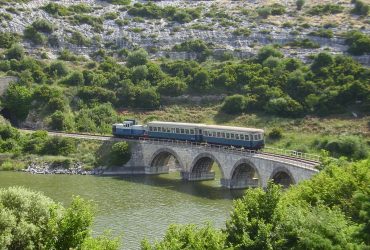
175	131
234	136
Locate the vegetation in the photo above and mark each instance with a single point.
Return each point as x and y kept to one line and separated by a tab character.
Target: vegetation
325	9
30	219
358	42
360	8
325	212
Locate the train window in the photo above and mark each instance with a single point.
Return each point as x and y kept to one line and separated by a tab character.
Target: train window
168	130
260	136
155	129
256	137
232	136
182	131
242	137
227	135
177	130
247	137
223	135
186	131
191	131
237	136
218	134
214	134
205	133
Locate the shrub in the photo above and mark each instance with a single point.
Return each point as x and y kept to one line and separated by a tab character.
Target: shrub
58	69
268	51
147	98
137	57
242	32
79	39
349	146
76	78
172	87
59	146
235	104
43	25
18	100
275	134
30	219
322	33
305	43
361	8
7	39
61	121
358	42
325	9
120	153
31	34
299	4
56	9
16	52
284	106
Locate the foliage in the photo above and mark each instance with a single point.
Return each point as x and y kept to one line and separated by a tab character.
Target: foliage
275	134
268	51
59	146
17	100
16	51
299	4
348	146
120	153
189	237
7	40
254	218
358	42
325	9
235	104
138	57
43	25
31	220
361	8
322	33
172	87
151	10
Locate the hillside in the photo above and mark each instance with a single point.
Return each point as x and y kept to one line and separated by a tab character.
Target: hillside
228	28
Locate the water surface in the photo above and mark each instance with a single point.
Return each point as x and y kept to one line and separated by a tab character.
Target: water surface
137	206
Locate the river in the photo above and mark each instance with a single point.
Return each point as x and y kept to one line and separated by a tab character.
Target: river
135	206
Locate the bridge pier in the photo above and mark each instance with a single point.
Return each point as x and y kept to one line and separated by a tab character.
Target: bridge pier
198	176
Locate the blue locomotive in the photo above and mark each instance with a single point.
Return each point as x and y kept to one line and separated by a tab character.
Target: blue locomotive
223	135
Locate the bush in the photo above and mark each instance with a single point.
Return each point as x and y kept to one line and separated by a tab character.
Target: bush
76	78
325	9
120	153
172	87
235	104
18	100
358	42
31	34
361	8
276	134
58	69
79	39
43	25
137	57
61	121
299	4
351	147
16	52
7	39
147	98
30	219
268	51
284	106
59	146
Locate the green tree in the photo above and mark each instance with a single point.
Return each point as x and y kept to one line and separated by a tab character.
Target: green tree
76	78
268	51
188	237
59	146
253	221
18	100
172	87
235	104
201	81
120	153
16	52
30	220
137	57
147	98
61	121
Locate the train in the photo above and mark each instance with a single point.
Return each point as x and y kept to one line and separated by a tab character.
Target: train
249	138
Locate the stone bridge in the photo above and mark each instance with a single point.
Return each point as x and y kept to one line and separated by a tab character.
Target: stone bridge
239	168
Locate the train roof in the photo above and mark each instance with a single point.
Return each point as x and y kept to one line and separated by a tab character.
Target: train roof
176	124
204	126
242	129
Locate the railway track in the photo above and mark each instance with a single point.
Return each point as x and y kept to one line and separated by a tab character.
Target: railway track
89	136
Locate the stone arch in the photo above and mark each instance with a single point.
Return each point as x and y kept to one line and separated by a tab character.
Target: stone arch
282	176
203	162
163	156
244	174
